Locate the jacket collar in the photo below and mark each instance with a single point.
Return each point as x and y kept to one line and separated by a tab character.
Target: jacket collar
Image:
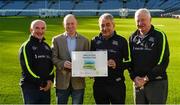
147	34
114	34
78	36
65	33
35	39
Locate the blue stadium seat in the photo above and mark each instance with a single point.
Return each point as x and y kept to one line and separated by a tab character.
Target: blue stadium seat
86	4
56	5
38	4
133	4
111	4
15	5
66	5
167	5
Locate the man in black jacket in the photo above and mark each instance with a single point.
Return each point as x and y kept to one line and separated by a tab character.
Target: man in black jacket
150	58
111	89
37	67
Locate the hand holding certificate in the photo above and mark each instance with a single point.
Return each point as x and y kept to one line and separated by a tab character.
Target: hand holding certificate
89	63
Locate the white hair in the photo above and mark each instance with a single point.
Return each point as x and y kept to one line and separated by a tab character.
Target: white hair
67	17
144	11
35	21
106	16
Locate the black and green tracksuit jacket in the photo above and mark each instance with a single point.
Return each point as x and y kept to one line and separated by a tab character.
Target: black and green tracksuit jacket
36	62
149	55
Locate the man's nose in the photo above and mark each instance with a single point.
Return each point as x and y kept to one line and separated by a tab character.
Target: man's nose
104	28
140	23
41	30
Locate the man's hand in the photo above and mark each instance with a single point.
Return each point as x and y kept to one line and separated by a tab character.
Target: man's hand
146	79
67	64
139	81
47	87
112	63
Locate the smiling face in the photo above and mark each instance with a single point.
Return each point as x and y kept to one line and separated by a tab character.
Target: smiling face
106	25
70	25
143	21
38	28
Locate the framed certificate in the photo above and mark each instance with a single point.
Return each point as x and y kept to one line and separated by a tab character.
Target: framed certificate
89	64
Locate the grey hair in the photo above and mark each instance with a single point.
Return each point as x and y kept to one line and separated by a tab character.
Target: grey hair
144	11
68	16
106	16
35	21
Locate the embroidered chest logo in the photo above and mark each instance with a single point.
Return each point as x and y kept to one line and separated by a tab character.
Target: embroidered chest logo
144	44
34	48
98	42
115	43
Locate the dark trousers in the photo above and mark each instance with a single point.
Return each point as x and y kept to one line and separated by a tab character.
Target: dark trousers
109	94
76	94
32	95
155	92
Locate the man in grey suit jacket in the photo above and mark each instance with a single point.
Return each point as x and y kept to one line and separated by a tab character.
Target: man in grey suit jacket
62	46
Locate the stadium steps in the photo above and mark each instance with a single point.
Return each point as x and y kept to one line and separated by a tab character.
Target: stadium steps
25	7
86	4
5	4
172	6
52	3
133	4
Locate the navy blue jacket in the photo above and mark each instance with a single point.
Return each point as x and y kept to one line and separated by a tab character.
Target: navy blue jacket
149	55
117	48
36	62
